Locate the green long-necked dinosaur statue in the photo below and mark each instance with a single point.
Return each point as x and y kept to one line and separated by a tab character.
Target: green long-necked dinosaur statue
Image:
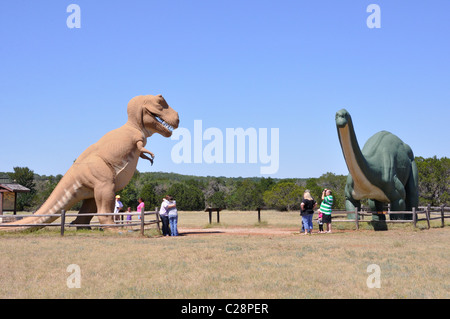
384	171
108	165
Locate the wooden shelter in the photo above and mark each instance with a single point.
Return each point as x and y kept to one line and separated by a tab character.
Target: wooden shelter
8	196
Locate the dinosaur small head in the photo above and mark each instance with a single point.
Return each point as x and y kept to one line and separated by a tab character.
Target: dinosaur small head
342	118
153	115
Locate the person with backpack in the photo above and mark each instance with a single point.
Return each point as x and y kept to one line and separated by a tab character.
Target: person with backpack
307	211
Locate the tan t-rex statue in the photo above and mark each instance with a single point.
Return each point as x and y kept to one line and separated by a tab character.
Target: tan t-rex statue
108	165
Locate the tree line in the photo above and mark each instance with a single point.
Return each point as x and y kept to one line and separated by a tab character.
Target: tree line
197	192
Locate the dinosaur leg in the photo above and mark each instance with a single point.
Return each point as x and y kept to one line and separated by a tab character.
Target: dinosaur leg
350	203
378	220
88	207
398	202
104	199
411	187
376	206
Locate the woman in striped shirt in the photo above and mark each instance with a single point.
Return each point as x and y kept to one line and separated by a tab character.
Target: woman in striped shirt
325	208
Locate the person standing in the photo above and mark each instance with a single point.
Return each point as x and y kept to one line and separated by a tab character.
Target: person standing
173	216
117	207
307	210
164	214
129	217
141	207
325	208
320	222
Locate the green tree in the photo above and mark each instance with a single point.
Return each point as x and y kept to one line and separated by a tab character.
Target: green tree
284	196
188	197
149	196
25	177
217	199
314	188
434	180
336	183
246	196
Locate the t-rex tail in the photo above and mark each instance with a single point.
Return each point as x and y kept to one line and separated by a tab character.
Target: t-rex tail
66	194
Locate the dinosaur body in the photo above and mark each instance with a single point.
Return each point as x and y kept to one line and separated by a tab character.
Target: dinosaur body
384	171
108	165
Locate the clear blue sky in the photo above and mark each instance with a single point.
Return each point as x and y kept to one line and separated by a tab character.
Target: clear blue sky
252	64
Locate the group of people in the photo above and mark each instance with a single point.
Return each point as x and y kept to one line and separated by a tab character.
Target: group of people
118	207
168	214
307	211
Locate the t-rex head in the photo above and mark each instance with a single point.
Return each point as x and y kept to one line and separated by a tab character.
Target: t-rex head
342	118
153	115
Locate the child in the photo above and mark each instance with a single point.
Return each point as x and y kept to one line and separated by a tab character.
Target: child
129	216
320	222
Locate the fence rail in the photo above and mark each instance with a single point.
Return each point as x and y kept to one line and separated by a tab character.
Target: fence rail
428	211
120	223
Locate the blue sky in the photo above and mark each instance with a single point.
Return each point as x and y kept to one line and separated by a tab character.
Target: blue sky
279	64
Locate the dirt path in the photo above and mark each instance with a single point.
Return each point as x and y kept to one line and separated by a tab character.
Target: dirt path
238	231
185	231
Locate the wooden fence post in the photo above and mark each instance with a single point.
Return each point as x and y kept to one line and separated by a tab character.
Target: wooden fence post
356	218
210	215
259	214
142	222
428	215
414	217
157	218
442	216
63	221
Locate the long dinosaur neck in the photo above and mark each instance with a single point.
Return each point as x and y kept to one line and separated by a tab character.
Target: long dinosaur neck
357	165
354	158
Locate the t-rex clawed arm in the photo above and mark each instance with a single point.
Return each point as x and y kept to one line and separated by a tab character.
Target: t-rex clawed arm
140	146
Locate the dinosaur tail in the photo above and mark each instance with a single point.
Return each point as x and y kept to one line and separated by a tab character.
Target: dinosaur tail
66	194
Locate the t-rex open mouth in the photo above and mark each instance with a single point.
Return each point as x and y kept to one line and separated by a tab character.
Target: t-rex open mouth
162	122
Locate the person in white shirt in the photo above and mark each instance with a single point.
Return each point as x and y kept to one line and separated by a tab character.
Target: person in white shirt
164	214
117	207
173	216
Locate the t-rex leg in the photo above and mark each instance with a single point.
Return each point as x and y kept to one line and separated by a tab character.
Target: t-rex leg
104	199
88	207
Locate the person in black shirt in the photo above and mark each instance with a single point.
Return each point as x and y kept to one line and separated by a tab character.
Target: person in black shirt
307	210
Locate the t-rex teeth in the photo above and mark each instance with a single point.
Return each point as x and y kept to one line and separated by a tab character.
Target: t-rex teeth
162	122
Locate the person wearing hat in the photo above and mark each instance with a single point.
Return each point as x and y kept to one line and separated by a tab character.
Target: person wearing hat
117	207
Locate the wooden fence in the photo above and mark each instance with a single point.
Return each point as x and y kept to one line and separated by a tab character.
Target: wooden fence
118	223
429	212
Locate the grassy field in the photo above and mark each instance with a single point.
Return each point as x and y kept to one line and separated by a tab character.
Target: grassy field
413	263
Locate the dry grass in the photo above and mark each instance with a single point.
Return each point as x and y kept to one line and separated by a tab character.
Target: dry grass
414	263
